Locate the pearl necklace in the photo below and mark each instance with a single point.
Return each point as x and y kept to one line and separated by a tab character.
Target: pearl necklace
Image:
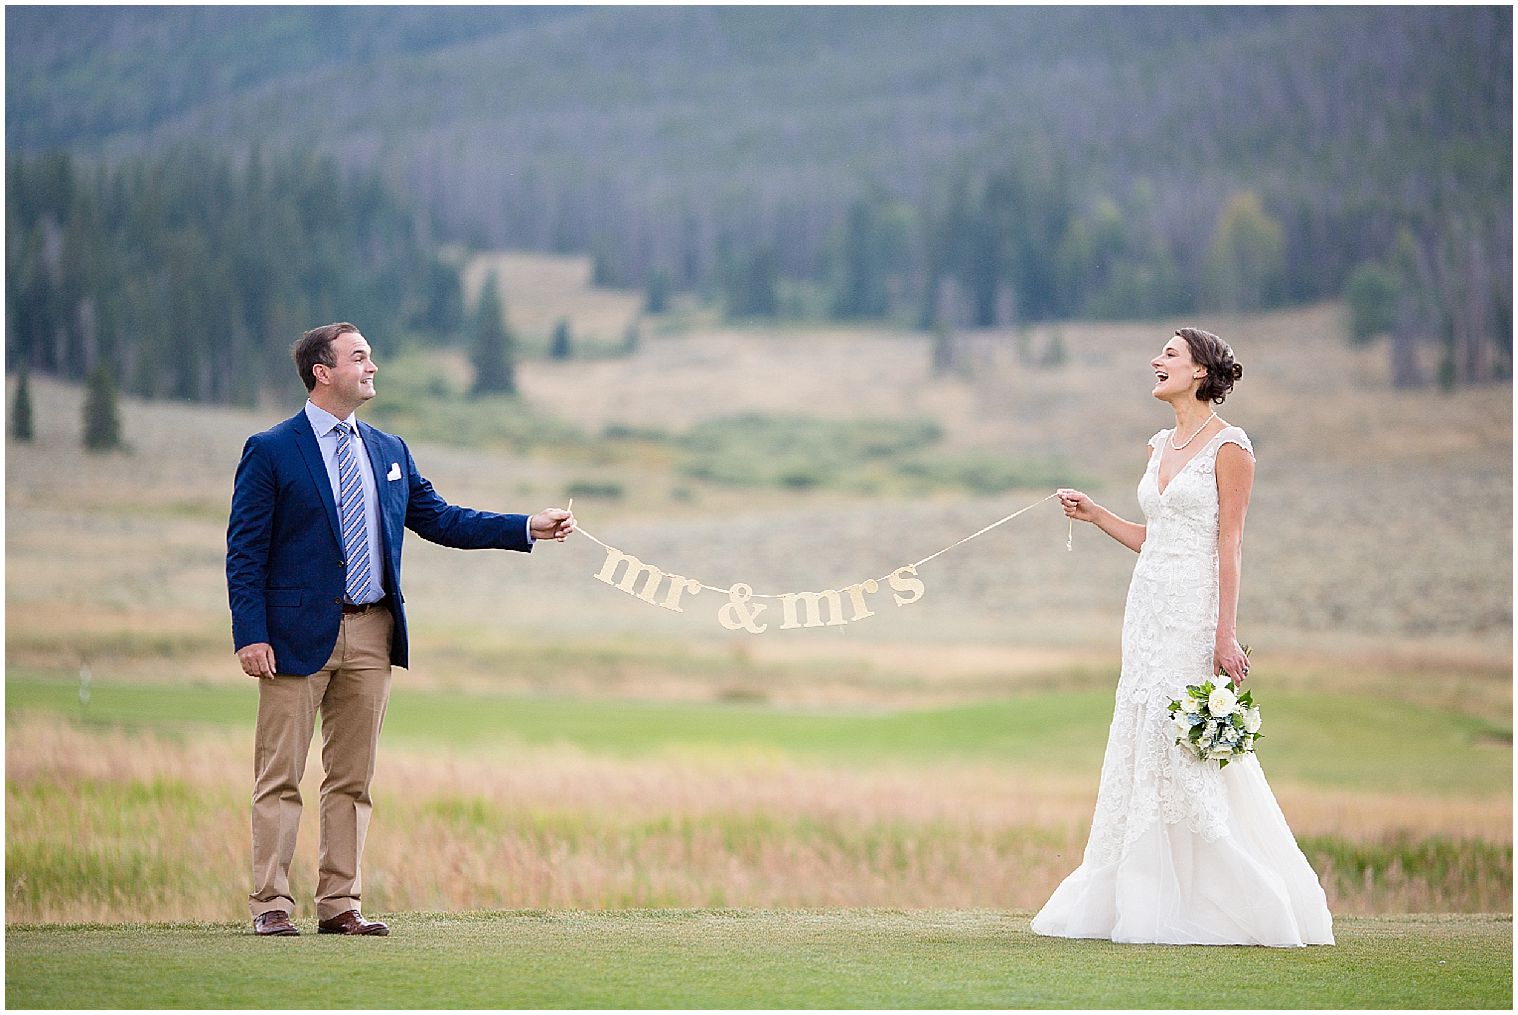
1181	447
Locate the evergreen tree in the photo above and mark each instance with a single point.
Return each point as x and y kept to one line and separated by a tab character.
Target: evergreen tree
751	283
657	299
561	345
494	347
944	351
102	425
1004	231
21	409
870	248
1372	297
1054	352
601	272
442	300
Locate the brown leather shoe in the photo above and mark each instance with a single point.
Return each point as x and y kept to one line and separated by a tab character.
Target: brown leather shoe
274	923
352	923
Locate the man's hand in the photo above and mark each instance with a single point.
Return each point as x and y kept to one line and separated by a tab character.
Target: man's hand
552	523
257	659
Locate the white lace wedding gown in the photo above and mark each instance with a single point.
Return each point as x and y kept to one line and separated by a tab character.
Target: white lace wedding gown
1181	851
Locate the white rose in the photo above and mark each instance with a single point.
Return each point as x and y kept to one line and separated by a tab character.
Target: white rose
1190	705
1218	753
1252	721
1221	701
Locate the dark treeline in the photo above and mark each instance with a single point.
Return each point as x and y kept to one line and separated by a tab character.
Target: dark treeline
188	276
1016	246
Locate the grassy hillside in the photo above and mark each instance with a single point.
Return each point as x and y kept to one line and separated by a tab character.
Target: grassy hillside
1350	477
79	75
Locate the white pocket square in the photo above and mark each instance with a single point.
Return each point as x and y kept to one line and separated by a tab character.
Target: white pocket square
395	471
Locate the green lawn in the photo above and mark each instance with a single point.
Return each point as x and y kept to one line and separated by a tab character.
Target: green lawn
1356	743
749	959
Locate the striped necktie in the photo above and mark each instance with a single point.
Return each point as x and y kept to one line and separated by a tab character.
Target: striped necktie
351	514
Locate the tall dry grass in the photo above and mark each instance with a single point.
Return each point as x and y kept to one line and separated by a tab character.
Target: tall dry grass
106	826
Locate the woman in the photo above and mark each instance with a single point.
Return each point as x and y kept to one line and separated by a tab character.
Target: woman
1181	850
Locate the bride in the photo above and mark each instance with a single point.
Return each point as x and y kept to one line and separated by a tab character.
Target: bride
1181	850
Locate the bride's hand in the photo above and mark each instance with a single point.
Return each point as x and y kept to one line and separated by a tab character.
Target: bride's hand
1228	657
1077	505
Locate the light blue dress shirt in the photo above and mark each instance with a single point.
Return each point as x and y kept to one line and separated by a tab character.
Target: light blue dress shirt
325	424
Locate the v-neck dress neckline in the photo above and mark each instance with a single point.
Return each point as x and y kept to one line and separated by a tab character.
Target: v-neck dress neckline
1159	460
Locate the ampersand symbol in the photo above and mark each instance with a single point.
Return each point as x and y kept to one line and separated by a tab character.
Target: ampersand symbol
739	612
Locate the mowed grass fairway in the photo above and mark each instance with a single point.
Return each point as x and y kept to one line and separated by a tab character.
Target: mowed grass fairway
750	959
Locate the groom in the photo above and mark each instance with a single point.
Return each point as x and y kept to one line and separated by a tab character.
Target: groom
319	507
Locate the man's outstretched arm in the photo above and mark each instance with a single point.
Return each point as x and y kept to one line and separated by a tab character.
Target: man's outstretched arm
436	520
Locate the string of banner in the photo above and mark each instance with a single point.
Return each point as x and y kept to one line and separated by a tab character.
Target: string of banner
797	609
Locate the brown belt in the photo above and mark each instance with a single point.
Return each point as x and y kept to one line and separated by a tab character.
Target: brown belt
362	608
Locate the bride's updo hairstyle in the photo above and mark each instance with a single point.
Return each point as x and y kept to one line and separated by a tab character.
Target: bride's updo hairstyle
1210	351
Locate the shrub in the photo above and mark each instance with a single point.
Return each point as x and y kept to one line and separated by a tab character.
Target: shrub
589	488
102	424
21	410
1371	293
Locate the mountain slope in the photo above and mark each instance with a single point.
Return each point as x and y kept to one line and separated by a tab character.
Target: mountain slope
647	134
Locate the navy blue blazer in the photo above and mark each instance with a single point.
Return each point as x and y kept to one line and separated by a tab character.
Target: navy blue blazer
285	568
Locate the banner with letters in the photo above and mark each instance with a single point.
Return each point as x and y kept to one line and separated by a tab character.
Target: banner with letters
740	612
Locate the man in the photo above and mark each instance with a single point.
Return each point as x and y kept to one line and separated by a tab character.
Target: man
319	507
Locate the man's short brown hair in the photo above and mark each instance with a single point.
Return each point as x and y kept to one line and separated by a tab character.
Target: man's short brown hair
314	347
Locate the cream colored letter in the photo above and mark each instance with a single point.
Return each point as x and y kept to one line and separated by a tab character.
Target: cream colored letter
856	598
677	585
912	587
813	601
635	567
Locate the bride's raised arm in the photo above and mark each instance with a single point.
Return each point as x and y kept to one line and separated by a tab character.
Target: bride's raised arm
1083	509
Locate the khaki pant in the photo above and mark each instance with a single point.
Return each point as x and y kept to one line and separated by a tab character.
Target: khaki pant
350	693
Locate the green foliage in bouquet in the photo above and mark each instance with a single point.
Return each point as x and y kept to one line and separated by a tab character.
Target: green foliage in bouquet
1213	723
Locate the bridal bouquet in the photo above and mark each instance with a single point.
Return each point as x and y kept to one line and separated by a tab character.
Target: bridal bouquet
1214	724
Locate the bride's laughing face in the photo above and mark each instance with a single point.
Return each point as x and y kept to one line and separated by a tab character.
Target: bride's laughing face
1175	373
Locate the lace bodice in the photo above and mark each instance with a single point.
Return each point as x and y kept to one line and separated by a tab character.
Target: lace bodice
1169	627
1183	519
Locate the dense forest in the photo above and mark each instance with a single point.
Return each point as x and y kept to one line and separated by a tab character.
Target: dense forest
939	166
188	277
